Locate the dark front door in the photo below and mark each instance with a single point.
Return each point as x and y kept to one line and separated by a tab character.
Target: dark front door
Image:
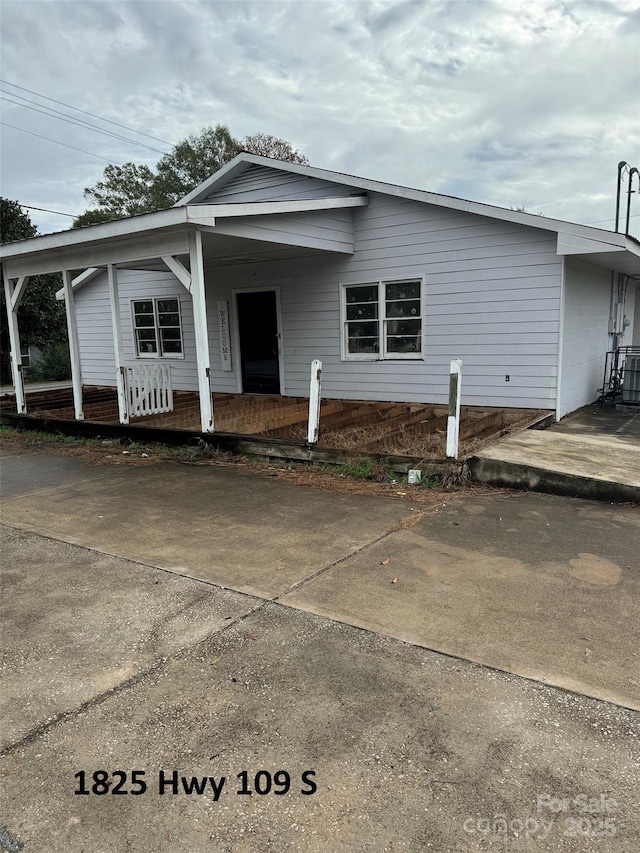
258	328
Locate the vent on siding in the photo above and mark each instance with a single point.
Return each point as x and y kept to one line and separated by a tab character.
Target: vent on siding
631	380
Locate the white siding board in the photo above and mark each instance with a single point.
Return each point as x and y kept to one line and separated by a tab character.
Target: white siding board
260	183
586	338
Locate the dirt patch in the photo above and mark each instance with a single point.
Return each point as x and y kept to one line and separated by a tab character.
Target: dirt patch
112	452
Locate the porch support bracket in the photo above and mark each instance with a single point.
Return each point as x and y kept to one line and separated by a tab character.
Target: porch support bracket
201	330
179	270
74	349
13	295
121	385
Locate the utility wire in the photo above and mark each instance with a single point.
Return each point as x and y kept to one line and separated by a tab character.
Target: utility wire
46	210
77	122
86	112
57	142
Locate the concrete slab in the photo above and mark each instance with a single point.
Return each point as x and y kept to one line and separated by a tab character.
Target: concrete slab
591	466
545	587
592	453
235	528
22	473
410	751
77	624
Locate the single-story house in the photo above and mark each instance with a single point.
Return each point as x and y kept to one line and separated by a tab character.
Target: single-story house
269	265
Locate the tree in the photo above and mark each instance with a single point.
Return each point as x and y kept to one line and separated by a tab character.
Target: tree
270	146
130	189
191	162
124	191
41	318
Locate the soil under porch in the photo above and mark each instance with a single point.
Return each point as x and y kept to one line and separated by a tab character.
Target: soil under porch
398	429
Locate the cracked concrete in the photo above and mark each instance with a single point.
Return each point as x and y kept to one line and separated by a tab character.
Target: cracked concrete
118	664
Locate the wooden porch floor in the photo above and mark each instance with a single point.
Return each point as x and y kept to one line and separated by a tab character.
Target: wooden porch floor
364	427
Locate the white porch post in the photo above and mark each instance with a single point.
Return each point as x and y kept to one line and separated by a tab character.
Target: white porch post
453	421
114	300
13	297
201	330
74	349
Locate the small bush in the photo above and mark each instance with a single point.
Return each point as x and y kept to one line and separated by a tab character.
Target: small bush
54	366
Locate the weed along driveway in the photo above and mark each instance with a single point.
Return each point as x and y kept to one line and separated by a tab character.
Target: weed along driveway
257	664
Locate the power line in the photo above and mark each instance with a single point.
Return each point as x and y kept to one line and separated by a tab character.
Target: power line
77	122
57	142
86	112
46	210
596	221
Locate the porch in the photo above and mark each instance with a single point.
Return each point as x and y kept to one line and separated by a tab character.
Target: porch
414	431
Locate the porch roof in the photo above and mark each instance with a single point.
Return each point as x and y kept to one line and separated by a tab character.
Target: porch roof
231	232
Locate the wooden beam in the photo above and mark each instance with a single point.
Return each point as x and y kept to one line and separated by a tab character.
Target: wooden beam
202	214
121	385
14	341
74	349
142	247
201	330
179	270
18	292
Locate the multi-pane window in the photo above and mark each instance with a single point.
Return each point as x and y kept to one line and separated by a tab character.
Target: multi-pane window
383	320
157	327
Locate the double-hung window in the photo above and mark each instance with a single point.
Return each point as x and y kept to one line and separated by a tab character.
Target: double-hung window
382	320
157	327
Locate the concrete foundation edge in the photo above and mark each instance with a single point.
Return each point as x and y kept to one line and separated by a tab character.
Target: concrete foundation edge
493	472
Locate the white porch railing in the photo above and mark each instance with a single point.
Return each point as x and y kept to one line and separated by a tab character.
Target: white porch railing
149	389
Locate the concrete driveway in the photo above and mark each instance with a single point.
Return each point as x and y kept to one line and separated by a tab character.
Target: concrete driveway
113	664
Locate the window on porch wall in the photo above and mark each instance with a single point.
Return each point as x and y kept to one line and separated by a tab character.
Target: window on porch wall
157	327
383	320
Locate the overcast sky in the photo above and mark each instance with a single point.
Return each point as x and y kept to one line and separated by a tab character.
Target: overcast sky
513	102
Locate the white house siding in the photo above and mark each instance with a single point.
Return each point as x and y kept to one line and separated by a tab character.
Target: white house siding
261	183
585	337
95	335
492	298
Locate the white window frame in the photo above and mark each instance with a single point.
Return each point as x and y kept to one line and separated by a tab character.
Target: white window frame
383	354
156	327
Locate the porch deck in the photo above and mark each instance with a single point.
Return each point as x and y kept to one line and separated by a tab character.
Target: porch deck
401	429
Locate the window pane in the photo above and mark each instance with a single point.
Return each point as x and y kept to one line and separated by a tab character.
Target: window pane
170	334
403	290
362	330
147	341
362	345
403	327
169	319
363	312
143	320
165	305
143	307
366	293
406	308
171	346
404	344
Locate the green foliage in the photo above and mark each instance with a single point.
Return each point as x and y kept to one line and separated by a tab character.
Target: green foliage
124	191
93	217
54	366
191	162
41	318
131	189
365	468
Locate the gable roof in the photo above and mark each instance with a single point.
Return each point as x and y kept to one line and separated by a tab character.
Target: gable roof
245	161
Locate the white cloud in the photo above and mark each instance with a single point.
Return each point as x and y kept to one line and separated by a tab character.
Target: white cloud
529	102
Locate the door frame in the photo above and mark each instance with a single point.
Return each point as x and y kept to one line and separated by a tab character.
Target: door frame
274	288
